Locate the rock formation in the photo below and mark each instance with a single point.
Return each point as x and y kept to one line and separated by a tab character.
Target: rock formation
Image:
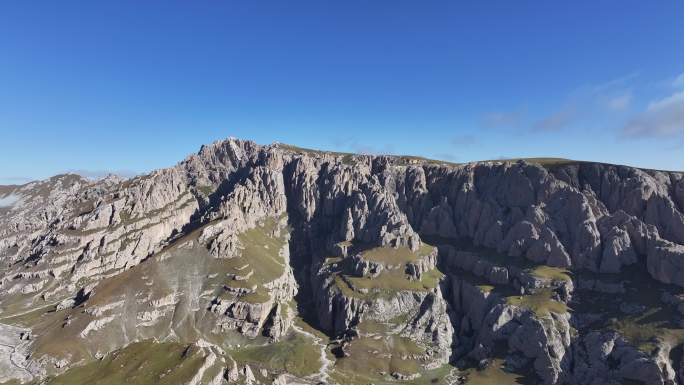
275	264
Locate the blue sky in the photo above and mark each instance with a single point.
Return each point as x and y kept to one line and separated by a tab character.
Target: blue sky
129	86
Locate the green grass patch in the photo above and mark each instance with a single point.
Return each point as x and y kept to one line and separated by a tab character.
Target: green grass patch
261	250
296	354
206	190
429	377
373	327
541	303
550	273
646	329
259	296
656	322
260	254
29	318
387	283
140	363
399	255
386	354
15	382
492	375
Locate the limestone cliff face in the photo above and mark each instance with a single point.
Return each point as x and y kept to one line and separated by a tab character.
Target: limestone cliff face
472	263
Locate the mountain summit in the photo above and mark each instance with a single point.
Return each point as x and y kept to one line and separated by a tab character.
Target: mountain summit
252	264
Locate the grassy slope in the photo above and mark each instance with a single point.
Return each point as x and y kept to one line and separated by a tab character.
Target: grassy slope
655	321
389	281
140	363
296	355
380	350
493	374
261	256
541	303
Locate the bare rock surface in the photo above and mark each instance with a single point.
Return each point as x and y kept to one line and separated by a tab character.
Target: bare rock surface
277	264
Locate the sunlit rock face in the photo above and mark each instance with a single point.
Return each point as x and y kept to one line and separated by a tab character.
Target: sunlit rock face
279	265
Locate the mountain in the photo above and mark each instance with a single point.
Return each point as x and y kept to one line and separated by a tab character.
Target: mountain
253	264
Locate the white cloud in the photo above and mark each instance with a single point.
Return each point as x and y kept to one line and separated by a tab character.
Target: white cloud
584	104
679	81
663	117
620	102
558	120
666	103
613	84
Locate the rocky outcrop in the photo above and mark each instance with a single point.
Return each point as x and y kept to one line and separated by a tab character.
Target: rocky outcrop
665	262
14	349
425	263
251	226
604	357
366	268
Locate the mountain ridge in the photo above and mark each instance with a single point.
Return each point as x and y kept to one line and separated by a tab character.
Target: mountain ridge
433	266
544	161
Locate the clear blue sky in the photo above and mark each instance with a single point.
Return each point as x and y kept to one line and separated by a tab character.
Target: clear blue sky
135	85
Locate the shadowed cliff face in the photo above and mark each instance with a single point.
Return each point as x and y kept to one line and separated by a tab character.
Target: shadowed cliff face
274	264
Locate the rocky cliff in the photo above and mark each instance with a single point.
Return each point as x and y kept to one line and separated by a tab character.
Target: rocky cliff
275	264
